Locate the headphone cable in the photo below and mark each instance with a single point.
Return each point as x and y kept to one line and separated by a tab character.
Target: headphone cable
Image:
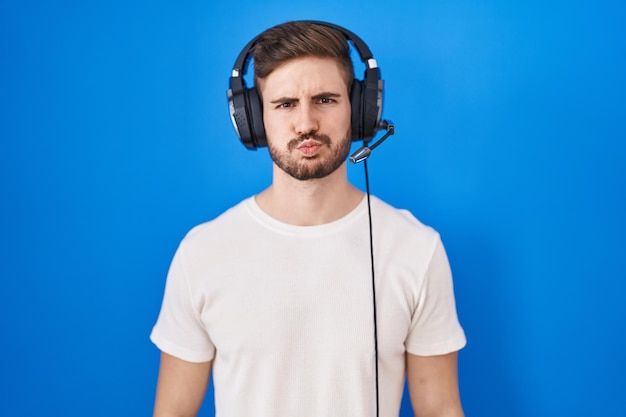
361	155
369	213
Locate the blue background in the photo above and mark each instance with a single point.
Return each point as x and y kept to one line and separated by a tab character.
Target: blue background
115	140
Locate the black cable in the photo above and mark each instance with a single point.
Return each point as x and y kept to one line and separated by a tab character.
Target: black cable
361	155
369	212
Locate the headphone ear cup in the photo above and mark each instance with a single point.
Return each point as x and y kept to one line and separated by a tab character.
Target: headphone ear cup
255	117
372	102
356	101
246	111
237	103
366	102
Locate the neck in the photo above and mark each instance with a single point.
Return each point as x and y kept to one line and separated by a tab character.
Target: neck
311	202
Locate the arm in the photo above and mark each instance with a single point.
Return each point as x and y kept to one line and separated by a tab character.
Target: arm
433	385
181	387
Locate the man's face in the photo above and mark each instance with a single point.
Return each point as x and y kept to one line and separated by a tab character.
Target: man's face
306	112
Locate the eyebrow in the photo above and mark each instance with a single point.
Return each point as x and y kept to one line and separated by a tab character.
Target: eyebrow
315	97
325	94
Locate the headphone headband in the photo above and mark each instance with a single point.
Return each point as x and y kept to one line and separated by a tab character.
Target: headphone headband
246	108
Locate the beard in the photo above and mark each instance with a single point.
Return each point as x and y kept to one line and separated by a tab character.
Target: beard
317	166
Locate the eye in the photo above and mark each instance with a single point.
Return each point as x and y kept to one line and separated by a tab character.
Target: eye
326	100
284	105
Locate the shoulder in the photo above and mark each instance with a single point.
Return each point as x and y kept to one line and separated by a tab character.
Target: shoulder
214	243
400	220
400	232
227	219
218	230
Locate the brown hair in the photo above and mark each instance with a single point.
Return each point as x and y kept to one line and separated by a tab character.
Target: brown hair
298	39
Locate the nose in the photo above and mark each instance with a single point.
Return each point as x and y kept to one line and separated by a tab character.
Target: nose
306	120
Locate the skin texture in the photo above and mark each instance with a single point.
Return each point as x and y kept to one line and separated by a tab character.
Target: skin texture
433	385
307	122
181	387
307	119
308	96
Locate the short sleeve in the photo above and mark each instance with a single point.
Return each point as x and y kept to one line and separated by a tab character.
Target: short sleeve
179	331
435	328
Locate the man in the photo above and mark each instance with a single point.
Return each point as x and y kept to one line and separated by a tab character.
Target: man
274	297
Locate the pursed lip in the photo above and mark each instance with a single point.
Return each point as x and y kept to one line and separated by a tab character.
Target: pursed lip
309	143
309	147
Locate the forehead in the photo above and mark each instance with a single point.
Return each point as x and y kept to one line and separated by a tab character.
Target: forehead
307	75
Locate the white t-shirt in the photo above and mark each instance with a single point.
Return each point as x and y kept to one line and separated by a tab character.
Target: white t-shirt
286	312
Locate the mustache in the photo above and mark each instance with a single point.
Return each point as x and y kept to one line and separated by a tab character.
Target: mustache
321	138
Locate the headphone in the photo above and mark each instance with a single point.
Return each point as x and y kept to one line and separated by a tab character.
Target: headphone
366	96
